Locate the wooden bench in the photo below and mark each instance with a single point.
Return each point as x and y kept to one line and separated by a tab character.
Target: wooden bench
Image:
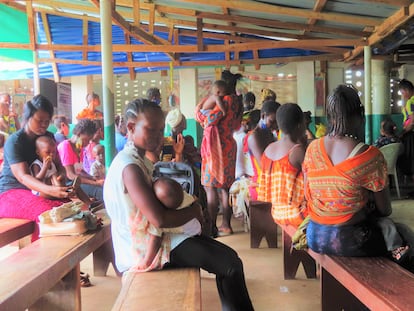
262	224
169	289
12	230
352	283
45	275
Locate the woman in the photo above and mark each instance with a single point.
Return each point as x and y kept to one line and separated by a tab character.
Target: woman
131	204
16	181
406	160
341	173
256	142
281	179
71	154
218	165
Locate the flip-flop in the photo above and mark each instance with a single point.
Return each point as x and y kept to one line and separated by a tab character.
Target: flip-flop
225	231
84	280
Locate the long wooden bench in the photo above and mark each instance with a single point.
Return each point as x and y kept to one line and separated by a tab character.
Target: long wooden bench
353	283
12	230
169	289
45	275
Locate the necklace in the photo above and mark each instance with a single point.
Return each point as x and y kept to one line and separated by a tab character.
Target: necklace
351	136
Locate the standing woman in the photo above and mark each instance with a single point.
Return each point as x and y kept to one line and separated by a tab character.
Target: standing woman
131	204
257	140
16	181
406	160
218	165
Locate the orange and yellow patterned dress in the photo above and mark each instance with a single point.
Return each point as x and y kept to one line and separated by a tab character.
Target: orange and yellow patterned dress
281	183
336	192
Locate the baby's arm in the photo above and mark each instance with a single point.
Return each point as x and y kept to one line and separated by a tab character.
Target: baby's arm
40	172
220	104
154	244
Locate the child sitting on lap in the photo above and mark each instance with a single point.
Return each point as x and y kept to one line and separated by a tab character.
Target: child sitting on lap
172	196
44	169
98	166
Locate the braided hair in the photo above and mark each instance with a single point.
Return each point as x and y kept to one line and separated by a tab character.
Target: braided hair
345	112
138	106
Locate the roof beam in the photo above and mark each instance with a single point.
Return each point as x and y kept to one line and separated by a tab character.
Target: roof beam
134	31
391	2
282	25
318	7
258	45
385	29
255	6
51	52
262	61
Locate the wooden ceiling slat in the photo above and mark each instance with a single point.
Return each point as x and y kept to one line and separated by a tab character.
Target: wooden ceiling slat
49	41
254	6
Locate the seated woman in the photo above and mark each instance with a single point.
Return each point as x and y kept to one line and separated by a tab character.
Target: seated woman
71	154
131	201
16	181
281	181
341	174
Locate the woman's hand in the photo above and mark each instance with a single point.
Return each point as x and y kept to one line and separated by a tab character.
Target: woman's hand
60	192
179	147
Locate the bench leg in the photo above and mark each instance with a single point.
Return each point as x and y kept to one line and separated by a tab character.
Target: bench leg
102	257
292	259
337	297
64	296
262	225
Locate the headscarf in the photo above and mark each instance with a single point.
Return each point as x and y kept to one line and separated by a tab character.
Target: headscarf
174	118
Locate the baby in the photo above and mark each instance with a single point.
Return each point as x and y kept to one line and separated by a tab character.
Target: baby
44	169
214	103
98	166
171	195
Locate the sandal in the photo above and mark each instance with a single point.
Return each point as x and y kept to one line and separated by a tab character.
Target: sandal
224	231
84	280
400	253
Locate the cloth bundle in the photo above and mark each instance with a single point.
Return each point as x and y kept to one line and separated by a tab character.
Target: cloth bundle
67	219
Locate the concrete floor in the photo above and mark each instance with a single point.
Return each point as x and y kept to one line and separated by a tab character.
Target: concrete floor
264	276
263	269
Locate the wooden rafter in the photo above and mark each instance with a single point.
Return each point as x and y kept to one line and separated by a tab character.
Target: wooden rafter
132	74
319	5
255	6
134	31
328	57
386	28
49	41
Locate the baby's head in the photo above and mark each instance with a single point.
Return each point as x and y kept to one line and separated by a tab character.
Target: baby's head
219	88
168	192
99	153
45	147
388	127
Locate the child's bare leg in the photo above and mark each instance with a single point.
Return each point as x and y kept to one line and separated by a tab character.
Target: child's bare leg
220	104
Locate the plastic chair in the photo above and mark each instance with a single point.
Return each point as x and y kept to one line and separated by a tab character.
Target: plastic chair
391	153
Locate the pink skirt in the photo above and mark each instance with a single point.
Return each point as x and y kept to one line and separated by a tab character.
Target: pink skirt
23	204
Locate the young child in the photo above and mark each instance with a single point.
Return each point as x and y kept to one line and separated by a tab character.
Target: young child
98	166
214	102
172	196
44	169
281	181
388	134
62	128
